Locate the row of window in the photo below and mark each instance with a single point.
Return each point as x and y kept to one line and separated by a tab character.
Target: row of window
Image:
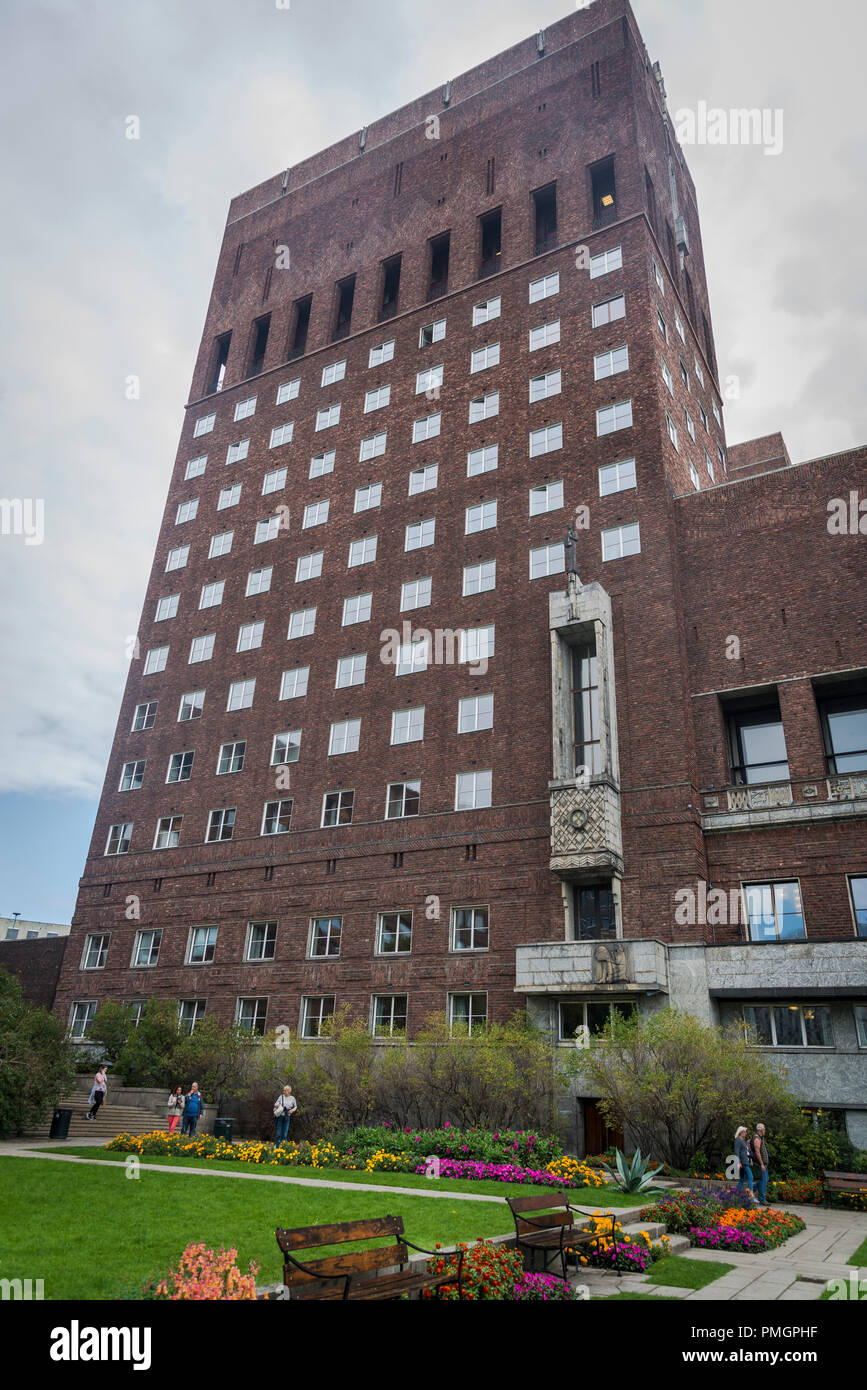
757	740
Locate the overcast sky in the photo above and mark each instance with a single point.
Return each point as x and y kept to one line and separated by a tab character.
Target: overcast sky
110	246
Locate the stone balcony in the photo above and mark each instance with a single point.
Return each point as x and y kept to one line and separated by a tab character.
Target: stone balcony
790	969
747	807
585	829
592	967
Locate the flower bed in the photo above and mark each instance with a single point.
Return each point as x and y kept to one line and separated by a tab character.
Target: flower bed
523	1147
489	1272
205	1275
617	1250
728	1238
720	1218
545	1288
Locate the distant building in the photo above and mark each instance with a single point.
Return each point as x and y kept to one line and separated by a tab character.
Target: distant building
12	929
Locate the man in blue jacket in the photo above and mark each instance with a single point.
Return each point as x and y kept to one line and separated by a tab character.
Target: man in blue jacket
193	1107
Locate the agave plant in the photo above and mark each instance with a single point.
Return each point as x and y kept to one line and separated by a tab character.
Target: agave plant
631	1176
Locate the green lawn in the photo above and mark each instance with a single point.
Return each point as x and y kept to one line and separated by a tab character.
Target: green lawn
681	1273
859	1256
594	1197
88	1230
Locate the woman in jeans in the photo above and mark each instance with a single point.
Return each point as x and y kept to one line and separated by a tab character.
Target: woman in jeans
284	1108
742	1154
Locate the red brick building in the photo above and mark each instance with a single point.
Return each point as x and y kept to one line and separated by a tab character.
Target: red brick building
430	350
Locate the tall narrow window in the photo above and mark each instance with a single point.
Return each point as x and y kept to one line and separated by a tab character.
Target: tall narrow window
594	912
345	297
221	357
390	287
302	324
492	242
587	748
439	265
650	199
602	188
844	725
258	344
758	745
545	208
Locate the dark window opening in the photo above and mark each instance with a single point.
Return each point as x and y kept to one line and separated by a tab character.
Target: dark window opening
302	324
492	242
672	250
650	197
690	297
398	177
258	345
266	288
345	297
708	345
158	883
397	859
595	79
390	287
471	852
331	866
602	187
237	262
106	892
210	880
844	728
545	207
595	918
439	265
758	745
269	872
218	370
490	175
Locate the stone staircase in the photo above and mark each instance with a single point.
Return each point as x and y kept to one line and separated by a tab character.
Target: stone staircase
111	1119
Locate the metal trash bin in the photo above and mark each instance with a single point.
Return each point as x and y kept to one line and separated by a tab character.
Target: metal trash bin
223	1129
60	1124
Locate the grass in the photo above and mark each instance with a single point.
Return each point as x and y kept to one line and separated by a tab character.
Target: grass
88	1231
680	1273
859	1256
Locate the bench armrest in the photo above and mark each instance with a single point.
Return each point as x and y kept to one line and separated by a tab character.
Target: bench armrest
315	1273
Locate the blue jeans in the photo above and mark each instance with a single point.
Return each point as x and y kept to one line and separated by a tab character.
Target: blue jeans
762	1183
283	1128
746	1178
189	1123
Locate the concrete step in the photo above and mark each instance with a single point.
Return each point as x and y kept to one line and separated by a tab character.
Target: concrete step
110	1119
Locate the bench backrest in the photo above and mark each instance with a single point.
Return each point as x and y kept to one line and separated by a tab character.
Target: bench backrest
542	1212
845	1182
306	1239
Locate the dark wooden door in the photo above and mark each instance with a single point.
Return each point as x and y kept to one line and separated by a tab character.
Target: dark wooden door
598	1135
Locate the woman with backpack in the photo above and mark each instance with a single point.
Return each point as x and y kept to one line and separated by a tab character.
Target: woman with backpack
284	1108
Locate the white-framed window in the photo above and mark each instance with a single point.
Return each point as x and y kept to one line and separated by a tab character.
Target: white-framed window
708	463
672	430
328	417
241	694
661	324
489	309
423	479
167	607
367	497
610	363
544	287
702	415
684	374
469	929
204	425
546	497
201	945
229	497
468	1013
547	559
274	481
337	808
261	941
544	335
432	333
394	933
324	936
362	552
250	636
81	1015
236	452
180	767
483	357
472	790
782	1023
605	262
861	1024
380	354
221	824
221	544
666	375
616	477
231	757
678	323
548	384
415	593
377	399
267	530
320	464
315	514
301	623
286	747
389	1014
146	948
546	440
144	716
716	413
476	644
293	684
191	706
282	434
168	833
132	775
196	467
245	408
372	447
345	737
119	837
335	371
609	310
420	534
259	580
356	609
694	478
620	541
402	799
351	670
412	657
315	1013
407	725
201	648
186	511
484	407
475	712
288	391
177	557
482	516
155	660
212	594
657	275
720	455
189	1013
426	428
690	424
429	379
483	460
480	578
613	417
277	817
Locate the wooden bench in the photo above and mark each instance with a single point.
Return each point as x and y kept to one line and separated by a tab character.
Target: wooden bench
550	1229
354	1274
843	1182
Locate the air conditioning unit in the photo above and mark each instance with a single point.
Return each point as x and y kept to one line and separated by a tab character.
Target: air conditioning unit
681	235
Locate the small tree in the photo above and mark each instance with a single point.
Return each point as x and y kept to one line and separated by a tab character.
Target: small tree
36	1063
680	1086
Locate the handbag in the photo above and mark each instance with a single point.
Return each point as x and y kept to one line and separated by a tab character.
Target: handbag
278	1108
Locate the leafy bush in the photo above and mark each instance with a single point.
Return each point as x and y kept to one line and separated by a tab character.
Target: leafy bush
804	1152
35	1059
489	1272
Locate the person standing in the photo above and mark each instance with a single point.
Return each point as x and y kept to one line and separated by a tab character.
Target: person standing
762	1159
97	1093
284	1108
193	1107
175	1107
742	1154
